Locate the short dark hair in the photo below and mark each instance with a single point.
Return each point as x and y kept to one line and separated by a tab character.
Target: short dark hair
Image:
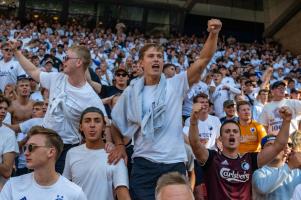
167	65
89	110
52	138
241	103
38	103
4	99
229	122
201	95
217	72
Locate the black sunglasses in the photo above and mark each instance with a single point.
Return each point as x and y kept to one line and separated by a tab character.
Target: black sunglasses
31	147
121	74
66	58
8	50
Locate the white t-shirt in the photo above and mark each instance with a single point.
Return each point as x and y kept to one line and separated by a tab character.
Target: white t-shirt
220	95
270	116
8	143
257	110
7	118
25	127
9	71
89	169
66	103
209	130
167	146
193	91
26	188
297	193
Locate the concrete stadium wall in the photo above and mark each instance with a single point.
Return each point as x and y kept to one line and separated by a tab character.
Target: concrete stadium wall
273	9
282	21
290	34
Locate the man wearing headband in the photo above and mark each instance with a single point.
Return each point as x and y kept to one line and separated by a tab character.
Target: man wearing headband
278	179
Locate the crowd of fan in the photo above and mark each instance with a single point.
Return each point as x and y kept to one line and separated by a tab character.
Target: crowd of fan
240	114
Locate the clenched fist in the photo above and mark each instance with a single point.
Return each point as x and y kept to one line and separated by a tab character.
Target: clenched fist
285	113
214	25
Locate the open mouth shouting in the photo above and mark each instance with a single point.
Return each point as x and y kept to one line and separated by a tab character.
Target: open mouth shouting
155	66
231	141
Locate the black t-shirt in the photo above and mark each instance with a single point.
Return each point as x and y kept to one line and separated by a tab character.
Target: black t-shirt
229	179
107	91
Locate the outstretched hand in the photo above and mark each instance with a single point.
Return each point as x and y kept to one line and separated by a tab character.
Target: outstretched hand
214	26
285	113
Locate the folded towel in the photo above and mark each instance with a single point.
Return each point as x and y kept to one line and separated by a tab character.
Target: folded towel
127	113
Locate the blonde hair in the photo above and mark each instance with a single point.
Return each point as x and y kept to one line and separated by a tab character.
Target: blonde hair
296	143
83	53
172	178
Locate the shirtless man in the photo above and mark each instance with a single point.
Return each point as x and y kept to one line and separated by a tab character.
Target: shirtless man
21	108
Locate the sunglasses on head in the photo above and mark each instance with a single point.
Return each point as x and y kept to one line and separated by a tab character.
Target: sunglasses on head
121	74
31	147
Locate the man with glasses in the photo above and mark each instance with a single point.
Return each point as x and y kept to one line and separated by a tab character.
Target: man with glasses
8	144
69	95
278	179
270	118
9	68
42	149
105	92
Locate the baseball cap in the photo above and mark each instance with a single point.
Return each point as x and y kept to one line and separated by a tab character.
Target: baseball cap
49	61
22	77
121	70
229	103
278	83
267	138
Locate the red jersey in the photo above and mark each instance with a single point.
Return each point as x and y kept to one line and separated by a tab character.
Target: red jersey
227	178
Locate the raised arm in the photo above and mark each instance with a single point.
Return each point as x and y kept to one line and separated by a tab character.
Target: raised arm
268	153
28	66
210	46
96	86
199	150
266	77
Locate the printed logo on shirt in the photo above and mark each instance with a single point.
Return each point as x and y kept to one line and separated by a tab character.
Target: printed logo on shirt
252	130
245	165
58	197
24	198
233	176
225	162
276	113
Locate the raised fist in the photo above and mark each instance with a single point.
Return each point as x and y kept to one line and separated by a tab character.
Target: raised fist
196	108
214	25
14	44
285	113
